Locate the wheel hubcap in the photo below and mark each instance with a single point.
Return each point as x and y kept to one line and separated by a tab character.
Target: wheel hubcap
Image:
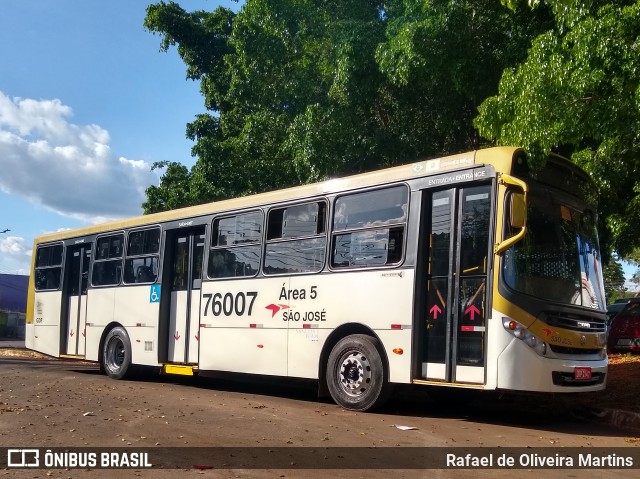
115	354
354	374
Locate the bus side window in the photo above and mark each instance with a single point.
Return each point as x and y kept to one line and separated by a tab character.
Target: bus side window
141	262
296	239
368	228
107	266
48	267
145	274
236	244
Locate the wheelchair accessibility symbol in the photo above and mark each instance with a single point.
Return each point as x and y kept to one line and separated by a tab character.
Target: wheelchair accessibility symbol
154	293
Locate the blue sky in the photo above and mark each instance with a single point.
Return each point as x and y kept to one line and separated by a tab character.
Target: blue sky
87	104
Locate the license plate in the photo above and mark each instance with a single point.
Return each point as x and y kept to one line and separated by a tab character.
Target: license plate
582	373
623	342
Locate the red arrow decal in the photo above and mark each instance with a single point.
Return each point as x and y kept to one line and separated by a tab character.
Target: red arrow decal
435	311
198	336
177	335
547	331
473	310
84	333
274	308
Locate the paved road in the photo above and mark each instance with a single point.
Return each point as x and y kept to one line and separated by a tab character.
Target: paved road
44	404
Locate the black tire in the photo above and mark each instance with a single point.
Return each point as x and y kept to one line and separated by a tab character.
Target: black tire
116	354
356	373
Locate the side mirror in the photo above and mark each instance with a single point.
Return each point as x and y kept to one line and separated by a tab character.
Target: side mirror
518	209
518	212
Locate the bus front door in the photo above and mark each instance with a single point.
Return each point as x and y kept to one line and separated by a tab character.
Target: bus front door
75	302
457	225
186	255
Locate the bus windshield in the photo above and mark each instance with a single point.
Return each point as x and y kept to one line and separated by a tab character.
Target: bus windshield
559	258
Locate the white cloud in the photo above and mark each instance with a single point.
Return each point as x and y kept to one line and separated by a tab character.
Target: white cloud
67	168
14	245
15	255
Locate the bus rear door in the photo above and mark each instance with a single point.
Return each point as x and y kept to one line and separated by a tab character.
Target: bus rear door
75	299
184	257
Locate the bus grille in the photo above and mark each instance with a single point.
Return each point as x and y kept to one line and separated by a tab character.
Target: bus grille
573	351
575	322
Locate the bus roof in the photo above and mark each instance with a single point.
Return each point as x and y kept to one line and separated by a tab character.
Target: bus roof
499	157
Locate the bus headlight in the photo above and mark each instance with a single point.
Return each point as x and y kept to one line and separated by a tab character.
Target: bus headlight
522	333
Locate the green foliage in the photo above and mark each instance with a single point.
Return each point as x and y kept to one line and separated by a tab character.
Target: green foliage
578	93
302	90
202	39
174	190
613	280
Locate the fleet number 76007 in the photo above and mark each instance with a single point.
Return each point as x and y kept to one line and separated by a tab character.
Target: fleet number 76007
230	304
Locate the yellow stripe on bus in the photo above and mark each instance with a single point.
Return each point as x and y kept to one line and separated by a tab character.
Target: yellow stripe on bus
178	369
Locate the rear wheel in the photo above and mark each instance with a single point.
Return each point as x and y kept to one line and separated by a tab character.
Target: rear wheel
356	374
116	353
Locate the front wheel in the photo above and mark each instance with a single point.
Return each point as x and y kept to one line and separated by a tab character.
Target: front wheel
356	374
116	353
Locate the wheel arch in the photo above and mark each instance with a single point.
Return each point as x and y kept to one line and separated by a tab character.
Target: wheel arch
336	335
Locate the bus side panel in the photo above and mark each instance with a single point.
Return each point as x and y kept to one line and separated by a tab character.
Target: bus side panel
138	313
377	299
305	347
29	333
100	305
46	334
499	340
242	328
253	351
399	363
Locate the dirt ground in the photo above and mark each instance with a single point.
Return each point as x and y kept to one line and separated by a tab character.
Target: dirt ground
622	391
53	404
623	384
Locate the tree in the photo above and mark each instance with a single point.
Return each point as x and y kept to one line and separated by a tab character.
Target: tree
578	93
613	280
174	190
302	90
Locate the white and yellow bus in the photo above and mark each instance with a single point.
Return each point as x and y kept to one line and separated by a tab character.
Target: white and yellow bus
464	271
